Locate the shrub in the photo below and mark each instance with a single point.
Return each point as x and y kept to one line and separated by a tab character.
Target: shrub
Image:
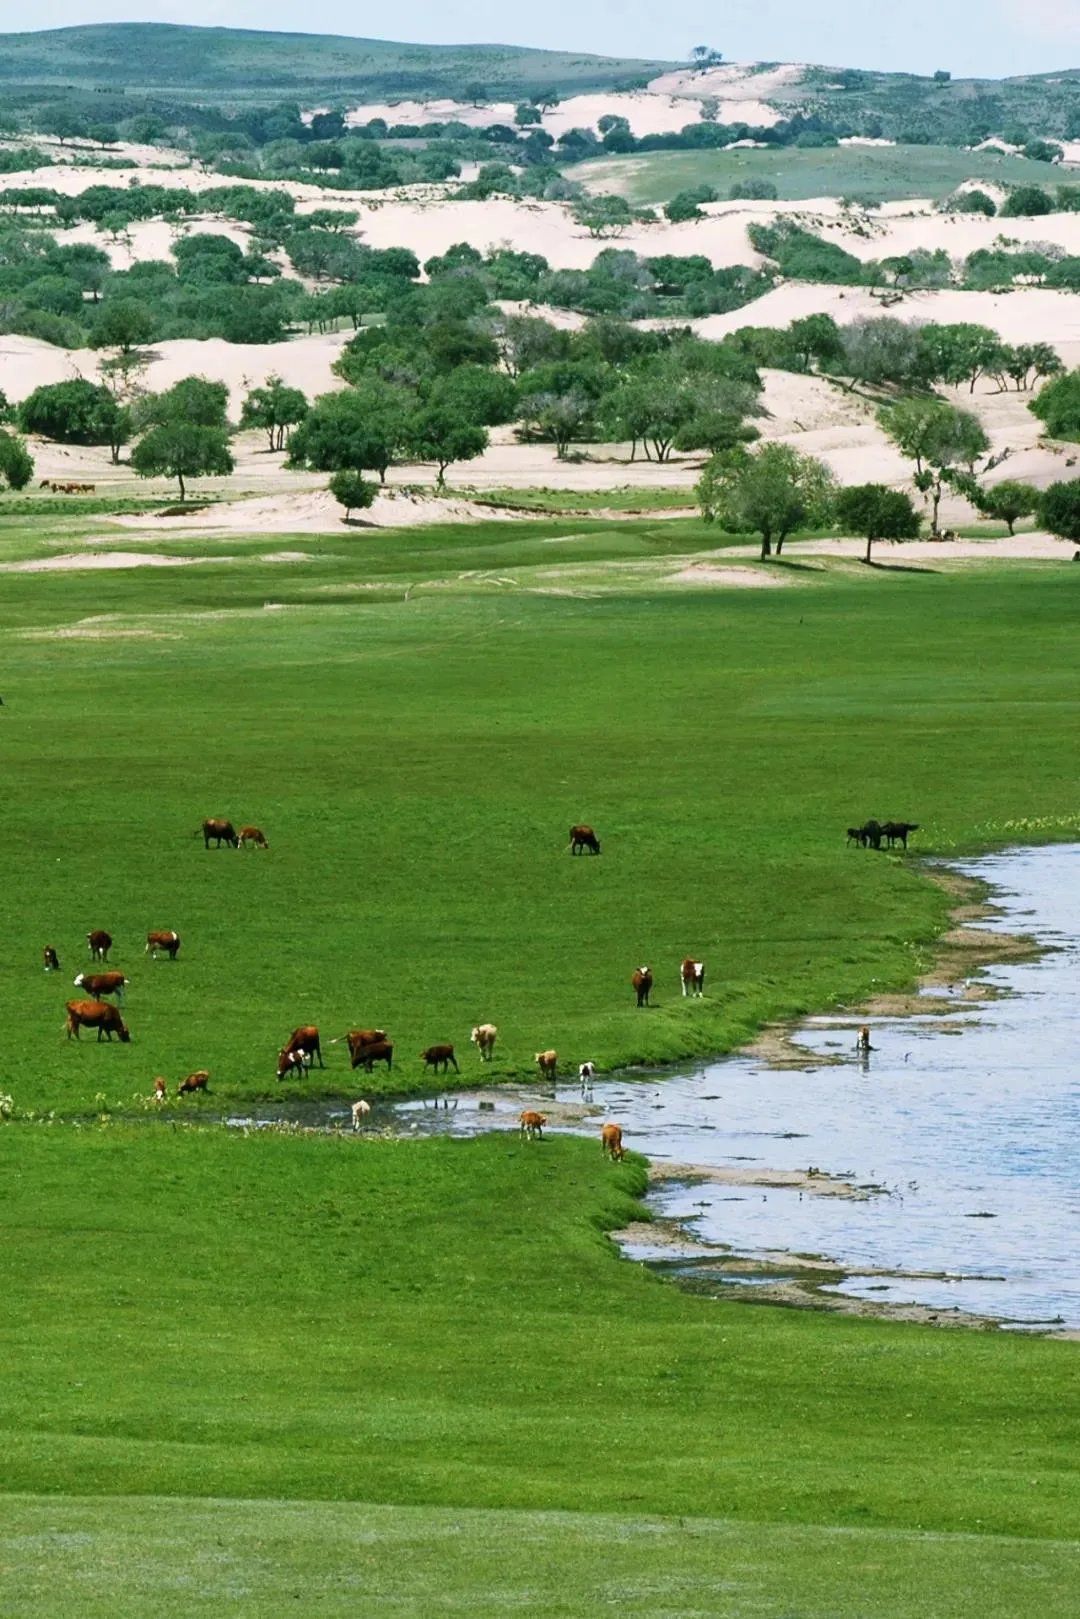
352	491
970	202
687	204
1059	510
1027	202
753	191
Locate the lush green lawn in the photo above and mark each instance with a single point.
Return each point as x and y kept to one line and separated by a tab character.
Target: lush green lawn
413	1377
442	1327
416	765
874	173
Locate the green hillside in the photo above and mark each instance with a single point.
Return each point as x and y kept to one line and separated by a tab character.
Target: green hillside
229	62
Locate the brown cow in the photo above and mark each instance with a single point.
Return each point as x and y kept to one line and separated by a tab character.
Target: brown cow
100	944
439	1057
379	1051
642	982
359	1040
161	1089
547	1062
611	1141
862	1041
583	837
306	1038
100	984
197	1081
531	1124
252	835
50	959
168	941
220	830
693	977
97	1015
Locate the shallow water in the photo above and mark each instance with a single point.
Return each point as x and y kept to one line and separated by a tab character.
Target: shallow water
974	1133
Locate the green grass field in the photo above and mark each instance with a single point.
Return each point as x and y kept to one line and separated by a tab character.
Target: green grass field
866	173
276	1372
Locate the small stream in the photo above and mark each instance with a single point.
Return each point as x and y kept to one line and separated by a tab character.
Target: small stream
966	1120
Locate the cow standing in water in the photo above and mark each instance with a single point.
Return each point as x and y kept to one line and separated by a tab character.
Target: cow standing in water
583	837
693	977
642	982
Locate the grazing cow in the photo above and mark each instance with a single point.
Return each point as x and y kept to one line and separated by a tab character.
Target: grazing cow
292	1062
100	984
359	1039
97	1015
583	837
161	1089
50	959
642	982
377	1051
693	977
100	944
439	1057
197	1081
862	1041
360	1111
168	941
306	1039
252	835
869	834
531	1124
895	832
483	1038
547	1062
611	1141
221	831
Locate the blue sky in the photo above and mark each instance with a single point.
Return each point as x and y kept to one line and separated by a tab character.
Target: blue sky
986	38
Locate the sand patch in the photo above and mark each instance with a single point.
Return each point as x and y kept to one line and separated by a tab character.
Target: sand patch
96	561
706	573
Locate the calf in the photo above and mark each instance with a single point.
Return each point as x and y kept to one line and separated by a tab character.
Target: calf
50	959
862	1041
292	1062
693	977
583	837
378	1051
642	982
252	835
483	1038
547	1062
586	1073
100	984
100	944
194	1082
97	1015
161	1089
360	1111
169	942
360	1039
855	834
611	1141
307	1039
531	1124
439	1057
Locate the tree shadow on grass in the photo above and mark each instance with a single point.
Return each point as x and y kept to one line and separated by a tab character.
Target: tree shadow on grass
895	567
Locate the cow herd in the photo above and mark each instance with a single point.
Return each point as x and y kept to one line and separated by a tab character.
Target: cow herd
98	1012
875	834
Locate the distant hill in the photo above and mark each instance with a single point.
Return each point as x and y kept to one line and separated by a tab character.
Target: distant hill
245	64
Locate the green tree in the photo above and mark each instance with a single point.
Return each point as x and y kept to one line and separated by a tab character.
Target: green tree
817	338
193	401
438	433
1059	510
16	462
944	442
881	350
352	491
182	450
359	429
124	324
961	352
1027	202
603	215
1058	406
687	204
74	412
970	202
274	408
1006	502
772	491
877	513
525	114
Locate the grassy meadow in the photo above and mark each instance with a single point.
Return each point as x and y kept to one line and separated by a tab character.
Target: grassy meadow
275	1372
864	173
